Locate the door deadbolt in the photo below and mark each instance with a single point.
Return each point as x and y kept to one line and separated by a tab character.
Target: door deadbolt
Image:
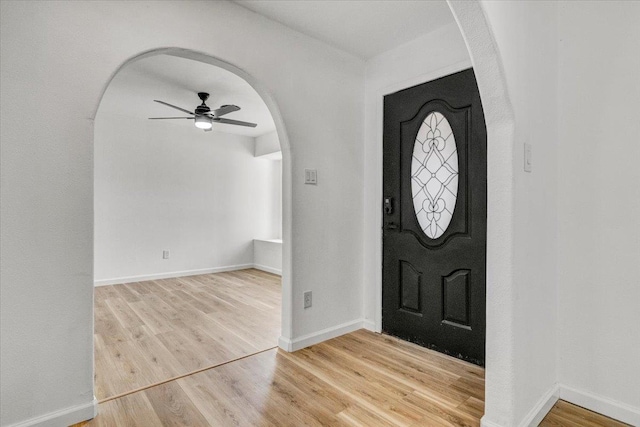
388	205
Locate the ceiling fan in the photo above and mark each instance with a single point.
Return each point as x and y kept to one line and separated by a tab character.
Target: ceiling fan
205	117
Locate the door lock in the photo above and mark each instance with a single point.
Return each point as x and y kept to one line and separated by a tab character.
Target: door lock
388	205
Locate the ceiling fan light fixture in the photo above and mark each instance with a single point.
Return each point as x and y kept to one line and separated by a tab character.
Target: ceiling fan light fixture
204	117
203	122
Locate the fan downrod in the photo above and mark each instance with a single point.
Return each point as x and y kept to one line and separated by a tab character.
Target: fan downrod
203	96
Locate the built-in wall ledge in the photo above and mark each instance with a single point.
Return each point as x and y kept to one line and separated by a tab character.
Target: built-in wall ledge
269	240
276	155
267	146
267	255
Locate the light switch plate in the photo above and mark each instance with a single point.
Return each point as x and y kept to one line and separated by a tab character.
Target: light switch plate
527	158
311	176
166	254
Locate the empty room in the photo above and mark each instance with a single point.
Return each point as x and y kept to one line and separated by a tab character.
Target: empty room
312	213
188	224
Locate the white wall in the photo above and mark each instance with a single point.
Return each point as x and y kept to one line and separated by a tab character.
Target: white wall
165	185
267	255
428	57
571	70
267	148
57	57
599	201
526	35
267	145
47	198
272	189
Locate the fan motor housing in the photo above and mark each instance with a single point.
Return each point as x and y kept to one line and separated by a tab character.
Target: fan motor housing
202	108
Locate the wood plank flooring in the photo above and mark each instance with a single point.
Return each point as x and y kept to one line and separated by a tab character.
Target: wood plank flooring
152	331
360	379
565	414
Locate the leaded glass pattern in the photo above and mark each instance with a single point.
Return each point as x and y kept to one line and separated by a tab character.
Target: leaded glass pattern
434	175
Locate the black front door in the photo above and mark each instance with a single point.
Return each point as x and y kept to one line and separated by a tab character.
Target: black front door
435	216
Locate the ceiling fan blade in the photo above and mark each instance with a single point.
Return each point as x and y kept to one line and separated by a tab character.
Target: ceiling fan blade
173	106
234	122
164	118
225	109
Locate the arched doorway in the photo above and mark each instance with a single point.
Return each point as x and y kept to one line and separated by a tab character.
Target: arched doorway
500	122
285	200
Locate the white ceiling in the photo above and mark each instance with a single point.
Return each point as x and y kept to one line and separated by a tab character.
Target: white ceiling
364	28
177	81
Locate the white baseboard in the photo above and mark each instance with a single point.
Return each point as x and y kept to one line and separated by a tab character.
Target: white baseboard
318	337
369	325
285	344
541	409
63	417
486	423
536	414
140	278
268	269
602	405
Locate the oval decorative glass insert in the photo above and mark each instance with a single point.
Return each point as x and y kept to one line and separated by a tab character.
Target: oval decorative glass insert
434	175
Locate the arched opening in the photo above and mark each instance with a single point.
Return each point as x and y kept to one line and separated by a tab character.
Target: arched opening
500	123
256	154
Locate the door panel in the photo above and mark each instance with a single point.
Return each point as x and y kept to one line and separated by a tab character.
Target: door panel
456	302
410	279
434	231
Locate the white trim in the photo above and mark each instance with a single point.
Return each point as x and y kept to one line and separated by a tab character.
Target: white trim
140	278
542	408
268	269
131	279
269	240
63	417
422	78
484	422
320	336
285	344
370	325
600	404
276	155
596	403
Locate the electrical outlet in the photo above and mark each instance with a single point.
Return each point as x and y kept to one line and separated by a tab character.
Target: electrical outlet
165	254
307	299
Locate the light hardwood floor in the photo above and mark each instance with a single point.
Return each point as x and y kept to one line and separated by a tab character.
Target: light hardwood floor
152	331
359	379
565	414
